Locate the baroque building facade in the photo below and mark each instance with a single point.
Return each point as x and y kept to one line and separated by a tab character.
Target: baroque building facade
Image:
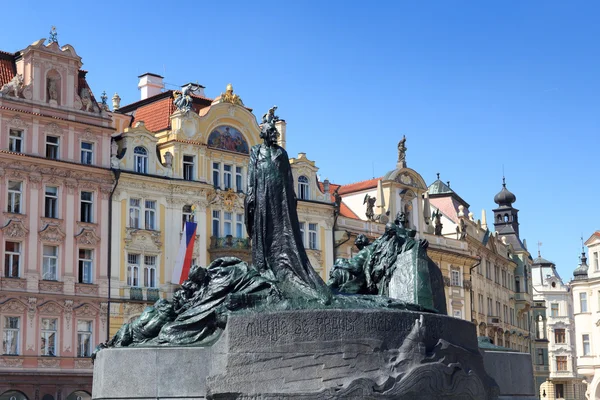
175	165
480	268
585	289
555	358
55	185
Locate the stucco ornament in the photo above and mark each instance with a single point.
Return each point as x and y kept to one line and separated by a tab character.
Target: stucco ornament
230	97
51	233
14	87
15	229
86	100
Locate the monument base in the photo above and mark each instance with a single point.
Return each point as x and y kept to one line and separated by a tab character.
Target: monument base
308	354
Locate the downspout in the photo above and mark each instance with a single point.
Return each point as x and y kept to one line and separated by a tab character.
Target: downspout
471	281
110	207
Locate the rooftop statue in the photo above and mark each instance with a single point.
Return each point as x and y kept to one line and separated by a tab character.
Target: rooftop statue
183	101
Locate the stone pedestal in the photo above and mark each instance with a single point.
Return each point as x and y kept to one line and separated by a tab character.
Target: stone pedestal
308	354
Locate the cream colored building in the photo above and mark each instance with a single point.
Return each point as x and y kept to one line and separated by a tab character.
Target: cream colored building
585	289
173	166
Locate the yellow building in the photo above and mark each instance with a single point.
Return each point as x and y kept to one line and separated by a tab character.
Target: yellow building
172	166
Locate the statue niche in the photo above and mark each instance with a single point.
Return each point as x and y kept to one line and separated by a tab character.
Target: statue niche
53	86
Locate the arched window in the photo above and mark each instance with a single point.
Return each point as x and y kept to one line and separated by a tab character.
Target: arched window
303	188
13	395
79	395
505	217
140	160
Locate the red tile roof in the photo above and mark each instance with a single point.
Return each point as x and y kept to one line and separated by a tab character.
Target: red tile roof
449	207
345	211
358	186
156	115
8	68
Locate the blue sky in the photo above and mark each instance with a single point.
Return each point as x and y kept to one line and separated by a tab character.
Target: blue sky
475	86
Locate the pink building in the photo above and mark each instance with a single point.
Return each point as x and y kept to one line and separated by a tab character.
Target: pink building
55	186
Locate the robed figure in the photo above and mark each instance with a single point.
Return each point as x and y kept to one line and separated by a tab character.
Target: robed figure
272	221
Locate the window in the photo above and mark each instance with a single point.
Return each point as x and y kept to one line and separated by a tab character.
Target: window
303	188
188	168
586	344
187	215
583	302
559	336
227	181
10	339
480	298
480	268
216	223
561	363
150	214
498	309
140	160
554	310
150	271
559	391
488	270
490	306
239	225
86	206
596	263
134	213
50	262
455	277
505	309
84	338
227	216
216	174
14	197
52	144
12	259
302	230
239	186
133	270
540	357
85	266
512	316
497	274
87	153
312	236
48	347
15	141
51	202
457	314
503	278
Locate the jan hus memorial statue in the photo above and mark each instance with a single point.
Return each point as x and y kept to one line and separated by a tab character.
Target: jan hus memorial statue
274	329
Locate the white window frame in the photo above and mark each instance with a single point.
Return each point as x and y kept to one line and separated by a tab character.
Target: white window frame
239	225
216	174
16	335
15	139
47	334
216	223
303	187
552	308
150	277
227	223
188	167
15	198
87	155
150	215
50	263
583	344
86	203
51	146
313	242
140	160
455	276
227	176
186	216
303	232
12	260
135	210
84	338
51	199
86	266
133	269
239	179
582	302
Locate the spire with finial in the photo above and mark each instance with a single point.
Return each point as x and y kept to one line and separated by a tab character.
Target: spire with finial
448	183
539	249
438	175
581	272
53	35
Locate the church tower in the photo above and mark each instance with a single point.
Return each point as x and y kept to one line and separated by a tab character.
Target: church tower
506	217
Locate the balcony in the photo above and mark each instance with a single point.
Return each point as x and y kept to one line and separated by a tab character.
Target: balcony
13	284
563	375
493	321
152	294
135	293
230	246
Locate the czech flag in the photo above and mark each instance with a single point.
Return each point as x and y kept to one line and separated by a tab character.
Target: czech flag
183	262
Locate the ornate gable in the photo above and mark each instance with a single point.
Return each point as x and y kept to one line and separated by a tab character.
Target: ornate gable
87	237
86	310
15	229
50	308
52	234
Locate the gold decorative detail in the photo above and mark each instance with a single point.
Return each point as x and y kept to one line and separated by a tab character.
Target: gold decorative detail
230	97
229	200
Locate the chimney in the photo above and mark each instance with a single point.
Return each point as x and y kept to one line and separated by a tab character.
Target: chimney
150	85
281	127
